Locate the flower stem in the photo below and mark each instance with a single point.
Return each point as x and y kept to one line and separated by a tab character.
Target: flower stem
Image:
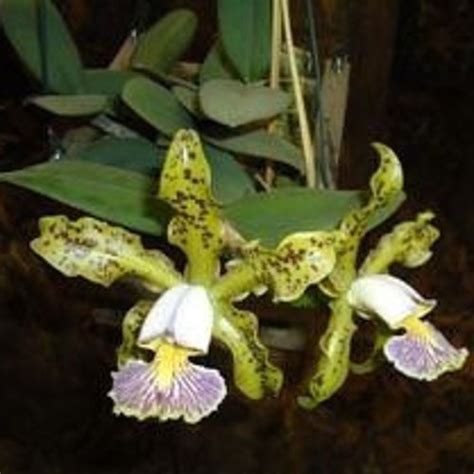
308	150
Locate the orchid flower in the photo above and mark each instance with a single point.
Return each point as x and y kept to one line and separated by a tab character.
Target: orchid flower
155	377
422	351
333	364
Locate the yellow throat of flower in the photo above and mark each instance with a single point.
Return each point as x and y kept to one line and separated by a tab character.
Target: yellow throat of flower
169	362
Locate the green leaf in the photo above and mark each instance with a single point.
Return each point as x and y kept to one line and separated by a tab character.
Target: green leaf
106	81
232	103
229	180
216	65
72	105
189	99
166	41
269	217
261	144
245	29
135	154
116	195
22	20
157	105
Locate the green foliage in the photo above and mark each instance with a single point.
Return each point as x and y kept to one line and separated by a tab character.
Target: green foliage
157	105
232	103
117	195
261	144
72	105
216	65
268	217
106	81
42	40
165	42
245	29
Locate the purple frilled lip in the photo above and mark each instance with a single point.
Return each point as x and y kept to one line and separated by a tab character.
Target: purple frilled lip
192	393
424	356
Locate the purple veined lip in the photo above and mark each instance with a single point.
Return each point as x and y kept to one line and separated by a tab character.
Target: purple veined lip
424	357
192	394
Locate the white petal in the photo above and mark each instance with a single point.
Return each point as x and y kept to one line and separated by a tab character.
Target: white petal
192	325
161	316
388	298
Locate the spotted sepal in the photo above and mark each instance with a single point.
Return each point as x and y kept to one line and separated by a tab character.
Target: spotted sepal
196	228
333	358
254	375
385	185
409	244
100	252
131	326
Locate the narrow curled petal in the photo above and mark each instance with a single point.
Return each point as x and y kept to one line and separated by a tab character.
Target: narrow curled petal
100	252
254	375
386	186
131	324
332	367
409	244
186	185
387	297
168	388
183	314
423	352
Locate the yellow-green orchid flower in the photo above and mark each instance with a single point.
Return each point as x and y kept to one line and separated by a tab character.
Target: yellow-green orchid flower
333	353
422	352
155	377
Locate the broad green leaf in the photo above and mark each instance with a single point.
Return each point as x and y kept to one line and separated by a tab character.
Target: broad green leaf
216	65
166	41
100	252
189	98
72	105
38	33
135	154
245	29
106	81
233	103
157	105
269	217
261	144
229	180
119	196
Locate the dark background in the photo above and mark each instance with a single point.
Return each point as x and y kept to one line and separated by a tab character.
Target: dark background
413	67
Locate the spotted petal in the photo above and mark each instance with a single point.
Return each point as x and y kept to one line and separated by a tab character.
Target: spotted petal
196	228
100	252
254	375
409	244
300	260
385	185
333	363
192	393
131	325
424	354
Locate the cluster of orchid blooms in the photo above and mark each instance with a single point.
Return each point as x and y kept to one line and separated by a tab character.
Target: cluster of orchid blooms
155	377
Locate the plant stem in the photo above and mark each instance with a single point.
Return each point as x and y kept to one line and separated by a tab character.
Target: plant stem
308	151
274	76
